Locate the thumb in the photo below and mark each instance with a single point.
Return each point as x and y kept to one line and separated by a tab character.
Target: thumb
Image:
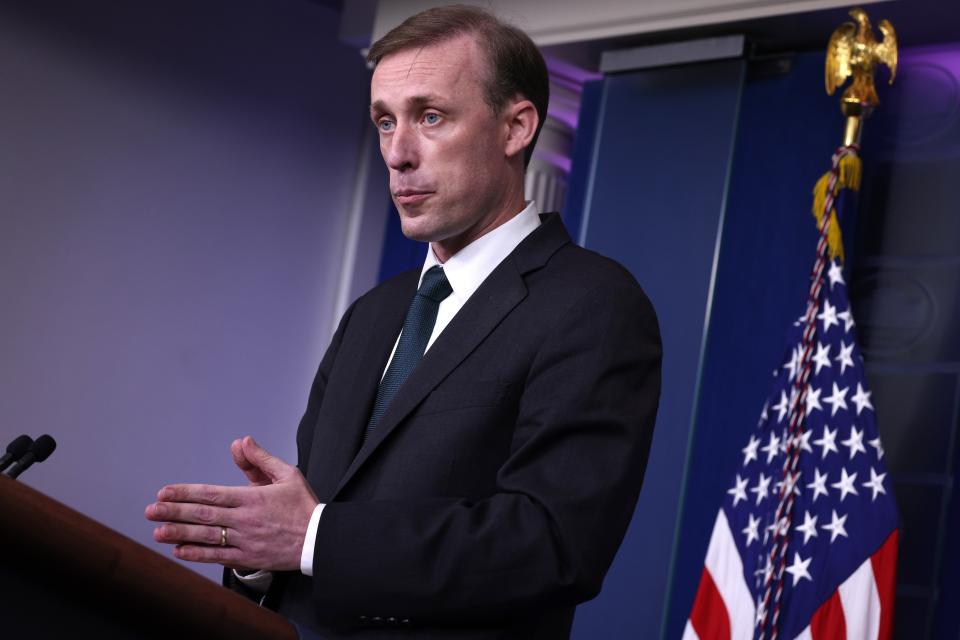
254	475
272	467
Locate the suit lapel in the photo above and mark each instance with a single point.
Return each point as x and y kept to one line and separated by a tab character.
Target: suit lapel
329	463
503	290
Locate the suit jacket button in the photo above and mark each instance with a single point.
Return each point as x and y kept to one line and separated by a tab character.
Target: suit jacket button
363	618
377	618
405	621
391	619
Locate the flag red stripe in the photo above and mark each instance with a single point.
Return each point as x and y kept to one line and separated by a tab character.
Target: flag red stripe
885	573
828	622
709	616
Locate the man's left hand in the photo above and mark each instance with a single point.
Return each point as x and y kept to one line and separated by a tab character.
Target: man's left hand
265	523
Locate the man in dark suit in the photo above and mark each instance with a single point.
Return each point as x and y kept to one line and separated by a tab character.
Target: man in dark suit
476	435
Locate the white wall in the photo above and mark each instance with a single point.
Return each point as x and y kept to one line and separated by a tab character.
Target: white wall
174	184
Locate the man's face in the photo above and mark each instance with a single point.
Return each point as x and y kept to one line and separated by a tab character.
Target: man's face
441	141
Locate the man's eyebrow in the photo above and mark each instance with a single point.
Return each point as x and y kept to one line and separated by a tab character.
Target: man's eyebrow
379	106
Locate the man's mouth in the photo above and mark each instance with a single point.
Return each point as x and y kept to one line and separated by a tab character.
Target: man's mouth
411	196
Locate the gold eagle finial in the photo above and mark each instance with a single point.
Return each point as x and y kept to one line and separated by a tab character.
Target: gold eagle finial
853	51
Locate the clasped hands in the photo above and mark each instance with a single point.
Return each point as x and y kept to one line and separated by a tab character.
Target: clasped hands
265	522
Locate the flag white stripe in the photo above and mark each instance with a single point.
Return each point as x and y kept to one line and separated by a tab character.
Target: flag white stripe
861	603
725	567
689	633
805	635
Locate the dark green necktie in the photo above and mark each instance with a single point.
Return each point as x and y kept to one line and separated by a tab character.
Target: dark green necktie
417	327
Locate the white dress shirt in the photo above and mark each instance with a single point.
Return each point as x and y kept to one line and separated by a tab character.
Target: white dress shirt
465	270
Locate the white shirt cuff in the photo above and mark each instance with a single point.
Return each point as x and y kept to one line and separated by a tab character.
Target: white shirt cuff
258	581
306	556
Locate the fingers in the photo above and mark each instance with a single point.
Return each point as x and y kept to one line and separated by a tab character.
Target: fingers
187	512
179	533
209	494
229	556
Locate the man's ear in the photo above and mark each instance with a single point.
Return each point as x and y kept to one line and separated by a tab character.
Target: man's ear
521	120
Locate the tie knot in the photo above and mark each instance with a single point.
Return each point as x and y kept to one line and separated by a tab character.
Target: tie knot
435	285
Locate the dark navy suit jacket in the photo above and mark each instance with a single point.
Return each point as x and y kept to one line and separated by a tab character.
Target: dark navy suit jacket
496	488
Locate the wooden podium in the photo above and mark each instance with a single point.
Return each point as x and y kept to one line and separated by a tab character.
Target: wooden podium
64	575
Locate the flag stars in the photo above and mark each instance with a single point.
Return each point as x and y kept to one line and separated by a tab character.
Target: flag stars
845	357
819	485
799	568
762	488
813	400
854	442
790	484
767	569
837	400
804	441
752	530
750	451
739	491
875	443
875	483
862	399
809	527
763	573
822	357
761	617
793	364
782	407
800	440
845	484
836	275
847	318
772	447
828	442
778	528
836	527
828	316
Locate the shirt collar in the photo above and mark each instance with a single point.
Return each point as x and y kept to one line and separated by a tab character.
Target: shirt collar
468	268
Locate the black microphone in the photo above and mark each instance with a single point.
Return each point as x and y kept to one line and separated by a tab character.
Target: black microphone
39	451
15	450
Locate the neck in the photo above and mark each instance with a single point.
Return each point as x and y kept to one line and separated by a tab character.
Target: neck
446	249
511	205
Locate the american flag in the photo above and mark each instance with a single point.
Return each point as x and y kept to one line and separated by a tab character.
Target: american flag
823	567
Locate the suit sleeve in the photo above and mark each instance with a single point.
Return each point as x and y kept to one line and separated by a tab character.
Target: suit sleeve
564	498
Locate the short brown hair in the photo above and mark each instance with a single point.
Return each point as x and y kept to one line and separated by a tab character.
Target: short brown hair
516	66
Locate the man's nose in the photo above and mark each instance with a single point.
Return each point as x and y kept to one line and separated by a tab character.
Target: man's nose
402	151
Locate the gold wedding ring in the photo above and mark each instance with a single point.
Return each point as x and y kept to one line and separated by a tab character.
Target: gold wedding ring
223	536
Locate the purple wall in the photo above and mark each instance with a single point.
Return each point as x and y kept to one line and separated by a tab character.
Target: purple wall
174	188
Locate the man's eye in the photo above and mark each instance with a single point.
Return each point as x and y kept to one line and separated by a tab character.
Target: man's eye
385	125
431	118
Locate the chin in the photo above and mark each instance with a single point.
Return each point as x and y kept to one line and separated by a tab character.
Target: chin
414	229
422	226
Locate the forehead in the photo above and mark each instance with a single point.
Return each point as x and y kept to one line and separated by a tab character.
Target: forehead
450	68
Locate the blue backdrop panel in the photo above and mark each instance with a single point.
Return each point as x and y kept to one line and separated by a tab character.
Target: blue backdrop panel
655	180
584	142
789	129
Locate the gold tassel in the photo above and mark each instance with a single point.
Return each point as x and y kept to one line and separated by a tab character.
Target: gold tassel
849	172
